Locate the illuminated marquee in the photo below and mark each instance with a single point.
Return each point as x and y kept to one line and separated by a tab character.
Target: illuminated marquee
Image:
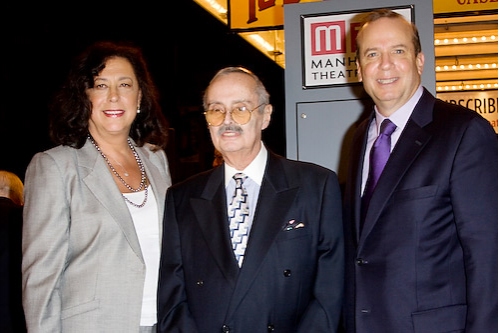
257	14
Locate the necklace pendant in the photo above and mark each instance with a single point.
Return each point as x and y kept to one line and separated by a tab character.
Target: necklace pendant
126	174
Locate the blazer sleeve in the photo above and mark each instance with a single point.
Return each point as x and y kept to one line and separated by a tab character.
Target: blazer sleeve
323	312
173	311
474	202
45	243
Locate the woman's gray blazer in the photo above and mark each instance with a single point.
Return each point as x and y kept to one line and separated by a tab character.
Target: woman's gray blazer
83	269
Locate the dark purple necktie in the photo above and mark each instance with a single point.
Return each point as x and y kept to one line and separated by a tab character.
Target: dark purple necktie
380	152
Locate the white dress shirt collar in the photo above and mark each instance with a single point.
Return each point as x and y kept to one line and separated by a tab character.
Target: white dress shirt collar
254	170
401	116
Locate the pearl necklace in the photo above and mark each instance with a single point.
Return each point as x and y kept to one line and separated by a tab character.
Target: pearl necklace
142	185
133	203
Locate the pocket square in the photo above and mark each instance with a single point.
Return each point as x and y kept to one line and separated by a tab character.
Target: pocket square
293	224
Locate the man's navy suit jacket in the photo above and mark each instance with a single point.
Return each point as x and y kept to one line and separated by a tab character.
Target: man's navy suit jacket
426	258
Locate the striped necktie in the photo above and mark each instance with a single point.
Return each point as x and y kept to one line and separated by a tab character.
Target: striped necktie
239	218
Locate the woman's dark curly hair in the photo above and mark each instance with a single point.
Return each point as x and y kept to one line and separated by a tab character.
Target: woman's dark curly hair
71	107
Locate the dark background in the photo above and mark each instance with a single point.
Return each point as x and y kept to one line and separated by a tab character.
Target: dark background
183	44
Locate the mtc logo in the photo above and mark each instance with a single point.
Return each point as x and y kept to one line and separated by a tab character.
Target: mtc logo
331	37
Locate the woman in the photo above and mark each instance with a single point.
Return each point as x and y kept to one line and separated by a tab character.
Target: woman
94	204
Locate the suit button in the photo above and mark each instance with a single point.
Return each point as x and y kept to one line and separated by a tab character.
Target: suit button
287	273
360	261
200	283
270	328
225	328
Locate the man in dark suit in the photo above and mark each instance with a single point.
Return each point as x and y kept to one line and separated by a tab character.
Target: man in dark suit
291	278
424	257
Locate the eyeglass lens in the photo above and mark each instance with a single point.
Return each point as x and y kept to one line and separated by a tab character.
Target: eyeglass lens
240	115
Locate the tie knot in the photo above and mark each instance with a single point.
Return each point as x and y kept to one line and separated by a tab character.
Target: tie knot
239	178
387	127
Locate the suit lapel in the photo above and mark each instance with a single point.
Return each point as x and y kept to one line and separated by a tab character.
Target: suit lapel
100	182
211	214
357	158
274	202
410	144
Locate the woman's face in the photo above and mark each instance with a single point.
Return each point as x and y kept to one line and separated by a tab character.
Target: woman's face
115	98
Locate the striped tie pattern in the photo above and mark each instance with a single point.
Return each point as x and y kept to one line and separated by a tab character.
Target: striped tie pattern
239	218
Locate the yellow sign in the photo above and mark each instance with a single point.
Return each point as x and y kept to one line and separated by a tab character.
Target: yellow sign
482	102
455	6
257	14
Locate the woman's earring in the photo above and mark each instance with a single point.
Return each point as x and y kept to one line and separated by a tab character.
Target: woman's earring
138	110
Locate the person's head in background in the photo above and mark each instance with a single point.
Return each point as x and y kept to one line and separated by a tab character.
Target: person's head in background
11	186
72	106
389	59
218	159
237	110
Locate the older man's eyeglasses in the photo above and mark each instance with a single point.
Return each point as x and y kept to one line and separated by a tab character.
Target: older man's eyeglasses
240	114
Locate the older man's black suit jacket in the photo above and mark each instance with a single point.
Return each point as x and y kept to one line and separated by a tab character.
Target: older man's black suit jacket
291	281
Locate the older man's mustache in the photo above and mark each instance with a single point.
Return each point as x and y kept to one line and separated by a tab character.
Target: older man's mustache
230	128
